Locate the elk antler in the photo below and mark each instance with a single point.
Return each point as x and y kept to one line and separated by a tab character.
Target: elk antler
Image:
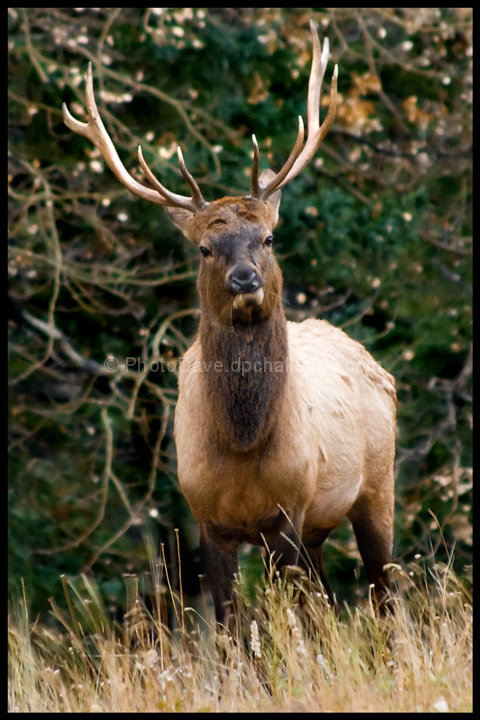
299	158
95	131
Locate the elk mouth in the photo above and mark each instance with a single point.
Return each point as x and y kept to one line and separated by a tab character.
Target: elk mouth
242	300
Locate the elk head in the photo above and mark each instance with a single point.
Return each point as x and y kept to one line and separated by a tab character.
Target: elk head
239	276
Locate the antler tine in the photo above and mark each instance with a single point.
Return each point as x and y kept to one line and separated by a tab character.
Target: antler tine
197	196
276	183
315	132
94	130
256	160
319	63
257	191
171	199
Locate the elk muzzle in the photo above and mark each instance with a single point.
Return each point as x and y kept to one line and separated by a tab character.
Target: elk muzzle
245	284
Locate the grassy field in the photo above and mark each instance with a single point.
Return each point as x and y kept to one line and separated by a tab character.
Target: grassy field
294	656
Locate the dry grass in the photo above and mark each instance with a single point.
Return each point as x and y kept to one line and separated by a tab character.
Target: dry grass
292	658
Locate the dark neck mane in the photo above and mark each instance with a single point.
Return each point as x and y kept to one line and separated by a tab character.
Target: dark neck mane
245	367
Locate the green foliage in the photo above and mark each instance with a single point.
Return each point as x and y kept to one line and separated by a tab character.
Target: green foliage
375	236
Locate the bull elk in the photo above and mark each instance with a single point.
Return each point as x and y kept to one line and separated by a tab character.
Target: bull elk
281	428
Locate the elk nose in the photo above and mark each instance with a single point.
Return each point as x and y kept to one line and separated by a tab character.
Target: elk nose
243	279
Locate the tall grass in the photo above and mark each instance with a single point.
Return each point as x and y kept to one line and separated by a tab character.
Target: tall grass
296	654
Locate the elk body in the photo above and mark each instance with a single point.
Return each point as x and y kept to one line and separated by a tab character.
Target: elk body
281	428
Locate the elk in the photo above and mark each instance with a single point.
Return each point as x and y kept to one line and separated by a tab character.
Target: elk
281	428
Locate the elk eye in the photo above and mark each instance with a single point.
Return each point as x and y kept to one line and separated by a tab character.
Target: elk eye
268	241
205	251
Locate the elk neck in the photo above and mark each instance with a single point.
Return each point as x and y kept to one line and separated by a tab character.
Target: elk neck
245	366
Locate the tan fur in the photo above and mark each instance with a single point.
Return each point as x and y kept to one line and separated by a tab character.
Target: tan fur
334	438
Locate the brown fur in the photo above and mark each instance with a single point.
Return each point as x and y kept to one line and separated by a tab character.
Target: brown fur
281	428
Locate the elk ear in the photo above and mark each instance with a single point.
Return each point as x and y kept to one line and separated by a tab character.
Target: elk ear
273	200
181	218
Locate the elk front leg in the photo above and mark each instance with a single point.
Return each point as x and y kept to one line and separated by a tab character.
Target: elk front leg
283	543
220	562
313	562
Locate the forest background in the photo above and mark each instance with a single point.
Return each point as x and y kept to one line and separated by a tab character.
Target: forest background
376	237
